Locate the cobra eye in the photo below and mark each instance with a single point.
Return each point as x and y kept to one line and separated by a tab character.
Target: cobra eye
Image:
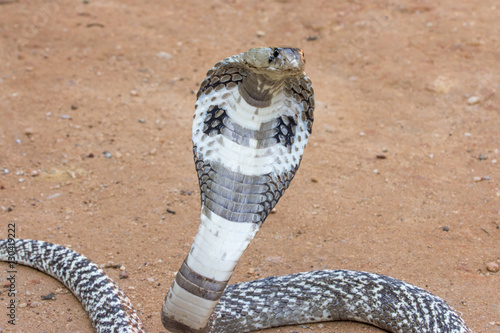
275	55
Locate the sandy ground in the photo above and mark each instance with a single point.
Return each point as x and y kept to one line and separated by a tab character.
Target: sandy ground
96	103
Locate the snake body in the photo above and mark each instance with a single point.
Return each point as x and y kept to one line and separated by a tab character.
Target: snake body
254	115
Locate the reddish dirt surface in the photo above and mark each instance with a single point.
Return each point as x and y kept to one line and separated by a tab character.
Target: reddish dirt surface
416	81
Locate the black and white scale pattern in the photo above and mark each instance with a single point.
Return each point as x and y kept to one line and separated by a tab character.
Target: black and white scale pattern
109	309
299	298
329	295
253	117
249	132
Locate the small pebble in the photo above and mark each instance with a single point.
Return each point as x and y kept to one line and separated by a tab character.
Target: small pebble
22	305
107	154
55	195
150	280
446	229
381	156
142	121
123	275
482	157
48	297
492	267
74	107
6	171
314	180
134	93
440	85
473	100
164	55
261	33
65	116
35	304
478	179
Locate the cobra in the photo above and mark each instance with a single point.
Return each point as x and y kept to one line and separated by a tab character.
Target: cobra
254	115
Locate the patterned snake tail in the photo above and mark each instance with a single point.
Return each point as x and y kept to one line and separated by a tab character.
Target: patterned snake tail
109	309
253	118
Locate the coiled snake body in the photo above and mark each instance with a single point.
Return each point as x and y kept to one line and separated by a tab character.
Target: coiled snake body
253	118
